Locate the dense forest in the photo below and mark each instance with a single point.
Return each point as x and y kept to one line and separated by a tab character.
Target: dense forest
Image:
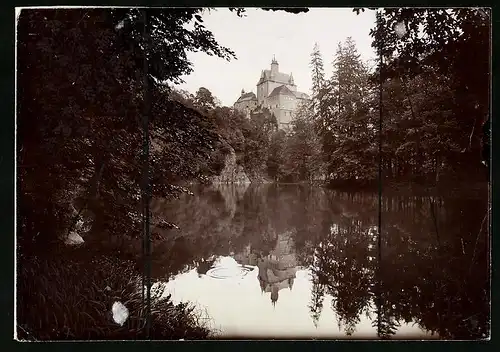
430	116
88	79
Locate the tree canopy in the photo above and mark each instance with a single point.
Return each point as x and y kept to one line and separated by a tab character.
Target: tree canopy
443	43
80	106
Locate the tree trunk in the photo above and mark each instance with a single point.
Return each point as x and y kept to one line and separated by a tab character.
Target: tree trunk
437	167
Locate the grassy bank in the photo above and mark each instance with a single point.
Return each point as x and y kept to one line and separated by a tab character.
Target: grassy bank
409	188
69	296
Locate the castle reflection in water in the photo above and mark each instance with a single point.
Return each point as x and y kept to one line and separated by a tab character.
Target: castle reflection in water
277	269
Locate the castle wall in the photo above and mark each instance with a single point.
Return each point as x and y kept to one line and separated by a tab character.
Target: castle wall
282	106
246	106
284	116
287	105
288	102
272	102
261	93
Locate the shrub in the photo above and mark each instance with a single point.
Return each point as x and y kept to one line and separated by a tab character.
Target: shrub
65	298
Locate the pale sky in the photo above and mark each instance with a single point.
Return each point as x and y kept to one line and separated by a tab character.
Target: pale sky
262	34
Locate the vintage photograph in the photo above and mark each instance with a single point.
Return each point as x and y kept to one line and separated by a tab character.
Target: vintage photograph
253	173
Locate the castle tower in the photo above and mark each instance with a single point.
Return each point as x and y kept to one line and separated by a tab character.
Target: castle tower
275	68
274	294
277	92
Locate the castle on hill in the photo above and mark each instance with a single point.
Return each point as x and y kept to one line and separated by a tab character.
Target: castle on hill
277	92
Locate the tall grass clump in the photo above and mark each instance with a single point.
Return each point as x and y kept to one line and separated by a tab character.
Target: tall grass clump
69	296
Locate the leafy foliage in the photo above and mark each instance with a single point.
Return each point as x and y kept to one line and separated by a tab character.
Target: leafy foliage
443	43
432	112
75	303
88	140
303	154
82	100
205	100
287	9
344	118
168	39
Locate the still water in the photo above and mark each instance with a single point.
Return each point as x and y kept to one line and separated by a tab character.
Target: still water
276	261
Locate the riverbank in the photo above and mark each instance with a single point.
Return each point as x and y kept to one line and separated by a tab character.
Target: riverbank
449	189
69	295
399	188
409	188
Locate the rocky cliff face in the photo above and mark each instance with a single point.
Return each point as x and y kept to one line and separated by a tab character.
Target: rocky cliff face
232	194
232	173
258	177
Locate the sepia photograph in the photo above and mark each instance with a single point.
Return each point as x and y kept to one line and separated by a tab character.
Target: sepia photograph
252	173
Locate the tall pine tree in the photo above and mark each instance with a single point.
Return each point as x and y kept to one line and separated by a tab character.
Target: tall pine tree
318	71
346	127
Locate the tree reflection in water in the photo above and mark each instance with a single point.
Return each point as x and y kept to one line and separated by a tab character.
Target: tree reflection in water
434	269
343	263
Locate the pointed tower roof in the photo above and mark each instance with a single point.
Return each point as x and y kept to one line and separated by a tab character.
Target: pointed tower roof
277	76
274	294
291	78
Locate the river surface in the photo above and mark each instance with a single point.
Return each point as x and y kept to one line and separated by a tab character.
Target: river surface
291	261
